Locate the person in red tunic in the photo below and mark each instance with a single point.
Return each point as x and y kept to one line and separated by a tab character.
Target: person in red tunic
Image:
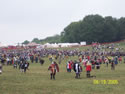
120	59
69	66
88	69
53	69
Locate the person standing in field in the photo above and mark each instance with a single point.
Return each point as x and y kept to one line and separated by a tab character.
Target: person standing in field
0	68
120	59
116	60
32	58
112	64
124	59
77	68
88	69
69	66
36	58
25	66
15	63
60	58
97	64
22	66
53	69
41	60
106	62
93	64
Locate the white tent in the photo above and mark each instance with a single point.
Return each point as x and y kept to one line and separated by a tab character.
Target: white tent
32	44
2	45
53	45
83	43
68	44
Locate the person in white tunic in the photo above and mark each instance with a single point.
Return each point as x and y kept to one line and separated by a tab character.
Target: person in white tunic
0	68
77	69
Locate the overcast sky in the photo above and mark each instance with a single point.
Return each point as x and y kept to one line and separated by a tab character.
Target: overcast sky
27	19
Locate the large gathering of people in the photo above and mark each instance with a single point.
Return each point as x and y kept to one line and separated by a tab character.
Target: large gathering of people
89	59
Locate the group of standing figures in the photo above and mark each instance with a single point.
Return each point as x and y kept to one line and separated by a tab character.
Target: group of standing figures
77	67
88	59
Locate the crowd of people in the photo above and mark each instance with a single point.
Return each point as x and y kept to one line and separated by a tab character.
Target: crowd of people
89	59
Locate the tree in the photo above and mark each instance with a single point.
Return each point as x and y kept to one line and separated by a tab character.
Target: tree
53	39
36	40
95	28
26	42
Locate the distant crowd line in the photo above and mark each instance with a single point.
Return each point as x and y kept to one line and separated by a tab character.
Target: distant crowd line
89	59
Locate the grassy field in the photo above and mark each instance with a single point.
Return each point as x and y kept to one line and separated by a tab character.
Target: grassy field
37	81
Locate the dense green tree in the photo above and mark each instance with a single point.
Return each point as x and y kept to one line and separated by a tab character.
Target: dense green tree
121	31
36	40
26	42
53	39
95	28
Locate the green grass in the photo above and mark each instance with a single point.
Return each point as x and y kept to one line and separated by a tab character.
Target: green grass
37	81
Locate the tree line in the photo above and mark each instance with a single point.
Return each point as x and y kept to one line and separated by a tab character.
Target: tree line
93	28
52	39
